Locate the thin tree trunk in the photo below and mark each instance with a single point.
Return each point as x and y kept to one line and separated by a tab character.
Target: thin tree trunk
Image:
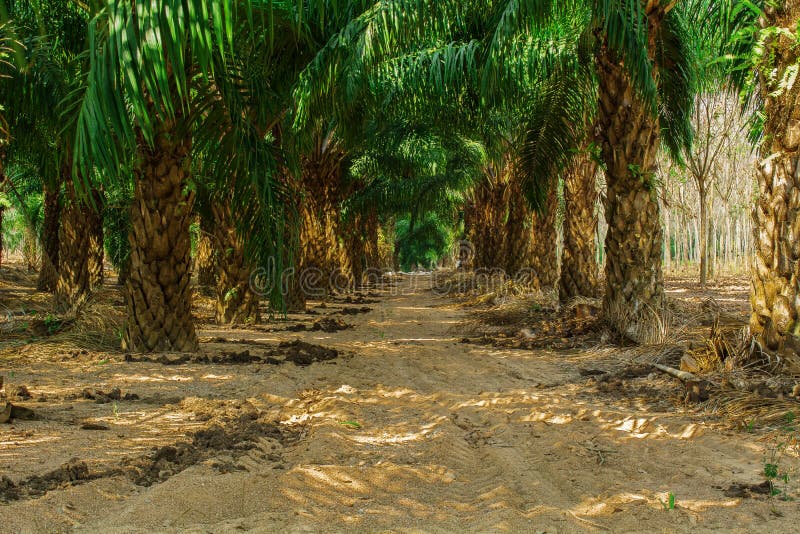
665	246
703	236
48	275
687	243
3	150
712	246
629	140
728	242
730	252
747	248
579	270
158	289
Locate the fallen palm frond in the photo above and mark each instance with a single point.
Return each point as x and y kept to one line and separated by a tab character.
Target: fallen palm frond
533	319
97	325
742	382
748	409
729	346
479	288
670	324
507	308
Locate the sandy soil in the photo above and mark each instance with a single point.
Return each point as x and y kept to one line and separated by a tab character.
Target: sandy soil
408	430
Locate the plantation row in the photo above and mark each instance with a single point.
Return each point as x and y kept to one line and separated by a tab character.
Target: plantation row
338	136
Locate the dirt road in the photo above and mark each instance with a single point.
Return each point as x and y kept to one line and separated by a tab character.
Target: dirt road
408	430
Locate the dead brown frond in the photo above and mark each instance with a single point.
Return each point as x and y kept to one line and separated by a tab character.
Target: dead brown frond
678	321
510	313
518	316
96	325
476	288
748	408
664	354
511	295
646	326
731	348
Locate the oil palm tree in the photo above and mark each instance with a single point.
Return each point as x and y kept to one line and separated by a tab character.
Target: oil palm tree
756	47
441	75
636	61
148	86
321	180
307	164
8	46
418	175
579	270
645	73
52	36
640	59
761	38
208	92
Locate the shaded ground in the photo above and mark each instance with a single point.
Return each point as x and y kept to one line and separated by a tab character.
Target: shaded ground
731	293
407	429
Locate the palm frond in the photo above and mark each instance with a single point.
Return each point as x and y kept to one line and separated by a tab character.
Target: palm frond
555	128
677	81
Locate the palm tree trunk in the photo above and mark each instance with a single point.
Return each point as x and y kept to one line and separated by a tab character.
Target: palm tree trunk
504	233
158	288
237	303
291	288
123	274
324	263
319	252
3	150
30	247
387	247
544	254
48	274
517	248
629	140
94	227
372	258
206	257
775	295
73	287
2	209
293	291
361	231
484	221
579	271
